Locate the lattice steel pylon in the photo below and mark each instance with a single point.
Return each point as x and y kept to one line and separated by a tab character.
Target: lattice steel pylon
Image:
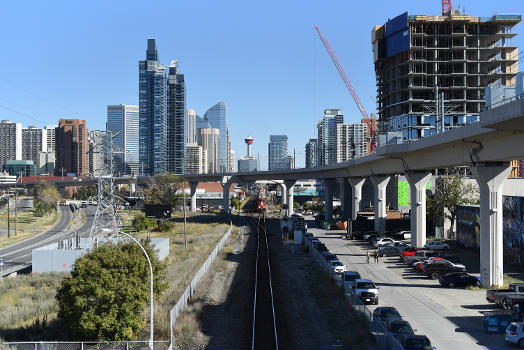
107	221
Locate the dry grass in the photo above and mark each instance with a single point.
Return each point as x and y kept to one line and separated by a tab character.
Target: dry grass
28	226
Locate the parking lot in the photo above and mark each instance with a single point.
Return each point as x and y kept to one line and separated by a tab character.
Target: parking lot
451	318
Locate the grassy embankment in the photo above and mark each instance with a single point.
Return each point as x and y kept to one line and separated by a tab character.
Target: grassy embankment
28	226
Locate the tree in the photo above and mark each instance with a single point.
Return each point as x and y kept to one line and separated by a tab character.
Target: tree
164	189
235	203
47	192
451	191
85	192
108	290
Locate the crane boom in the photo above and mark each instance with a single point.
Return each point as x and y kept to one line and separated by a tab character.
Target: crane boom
370	123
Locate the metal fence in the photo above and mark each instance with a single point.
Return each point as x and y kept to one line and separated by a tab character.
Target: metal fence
94	345
383	337
188	293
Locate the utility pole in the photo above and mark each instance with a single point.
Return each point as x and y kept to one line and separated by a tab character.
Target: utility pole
8	217
185	229
16	213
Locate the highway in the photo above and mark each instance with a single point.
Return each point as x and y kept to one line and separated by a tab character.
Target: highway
18	256
451	318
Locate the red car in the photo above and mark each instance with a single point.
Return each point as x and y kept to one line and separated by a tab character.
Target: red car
410	251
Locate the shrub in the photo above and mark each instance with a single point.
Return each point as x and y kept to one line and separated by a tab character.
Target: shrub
165	226
141	223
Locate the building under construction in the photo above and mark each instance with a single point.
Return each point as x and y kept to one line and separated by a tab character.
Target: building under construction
460	54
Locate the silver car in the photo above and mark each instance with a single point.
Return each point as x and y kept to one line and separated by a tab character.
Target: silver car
514	334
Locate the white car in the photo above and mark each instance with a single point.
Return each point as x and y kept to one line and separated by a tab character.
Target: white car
337	266
436	245
383	242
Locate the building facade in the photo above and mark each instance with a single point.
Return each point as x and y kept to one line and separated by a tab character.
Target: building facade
327	136
97	155
176	120
152	97
124	120
71	147
191	126
217	117
46	163
21	168
10	142
210	141
311	153
196	159
34	141
277	153
423	62
50	132
352	141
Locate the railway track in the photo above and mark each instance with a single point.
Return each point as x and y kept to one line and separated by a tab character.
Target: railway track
264	335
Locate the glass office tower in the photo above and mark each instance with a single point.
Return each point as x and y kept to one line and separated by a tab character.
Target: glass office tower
124	119
277	153
217	117
176	120
152	97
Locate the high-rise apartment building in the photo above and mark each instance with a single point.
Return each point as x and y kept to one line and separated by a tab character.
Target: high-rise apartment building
352	141
34	141
176	120
71	147
327	136
50	131
277	153
231	166
10	142
152	97
191	126
97	153
458	54
124	120
196	159
217	117
210	141
311	153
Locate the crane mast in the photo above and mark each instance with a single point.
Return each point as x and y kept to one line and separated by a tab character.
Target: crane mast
370	123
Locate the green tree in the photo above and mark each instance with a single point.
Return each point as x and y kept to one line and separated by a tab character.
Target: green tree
451	191
235	203
164	189
85	192
47	192
108	290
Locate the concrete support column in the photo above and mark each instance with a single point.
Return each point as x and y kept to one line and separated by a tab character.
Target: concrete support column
417	187
328	198
290	199
226	184
345	199
283	194
490	178
380	183
356	194
192	195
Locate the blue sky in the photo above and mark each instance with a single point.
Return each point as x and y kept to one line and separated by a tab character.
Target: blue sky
72	59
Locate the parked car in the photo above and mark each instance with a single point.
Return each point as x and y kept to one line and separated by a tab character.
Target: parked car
436	245
63	202
437	269
410	251
400	329
383	241
386	314
329	256
459	279
420	255
402	235
349	278
500	296
515	334
388	251
366	290
417	342
337	266
368	234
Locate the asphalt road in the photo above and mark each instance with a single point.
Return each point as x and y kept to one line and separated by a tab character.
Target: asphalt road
18	256
451	318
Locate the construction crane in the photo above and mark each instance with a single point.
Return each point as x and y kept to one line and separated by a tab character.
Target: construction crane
370	123
446	7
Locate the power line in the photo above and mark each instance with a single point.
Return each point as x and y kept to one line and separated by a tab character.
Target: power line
22	114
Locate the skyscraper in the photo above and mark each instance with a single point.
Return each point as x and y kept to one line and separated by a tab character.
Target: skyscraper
176	120
277	153
210	141
71	147
97	152
50	131
352	141
152	97
217	117
124	119
10	142
312	153
327	136
34	141
191	126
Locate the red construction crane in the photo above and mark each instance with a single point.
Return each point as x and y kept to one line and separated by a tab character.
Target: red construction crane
446	7
370	123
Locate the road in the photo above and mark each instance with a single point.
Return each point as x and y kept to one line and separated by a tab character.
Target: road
451	318
18	256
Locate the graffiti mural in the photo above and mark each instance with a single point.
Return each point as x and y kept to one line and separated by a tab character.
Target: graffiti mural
513	228
468	226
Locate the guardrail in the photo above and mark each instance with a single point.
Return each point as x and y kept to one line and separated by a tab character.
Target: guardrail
188	293
85	345
383	337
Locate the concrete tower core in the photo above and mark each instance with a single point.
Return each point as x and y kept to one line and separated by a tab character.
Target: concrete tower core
249	141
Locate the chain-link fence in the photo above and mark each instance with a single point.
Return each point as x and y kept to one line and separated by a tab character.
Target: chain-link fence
50	345
383	337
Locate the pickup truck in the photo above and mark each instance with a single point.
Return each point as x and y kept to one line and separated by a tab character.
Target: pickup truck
501	297
366	290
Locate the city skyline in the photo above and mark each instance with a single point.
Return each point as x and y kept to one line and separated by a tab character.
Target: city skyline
307	81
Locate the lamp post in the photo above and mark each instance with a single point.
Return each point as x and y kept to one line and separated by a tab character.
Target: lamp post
150	286
185	229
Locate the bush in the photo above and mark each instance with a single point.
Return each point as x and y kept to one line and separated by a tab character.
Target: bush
141	223
41	208
165	226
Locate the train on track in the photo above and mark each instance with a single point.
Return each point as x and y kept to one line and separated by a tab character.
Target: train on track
261	205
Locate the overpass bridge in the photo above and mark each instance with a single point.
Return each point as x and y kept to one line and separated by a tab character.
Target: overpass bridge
487	147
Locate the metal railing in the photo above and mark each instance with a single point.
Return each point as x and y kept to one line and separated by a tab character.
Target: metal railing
383	337
86	345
